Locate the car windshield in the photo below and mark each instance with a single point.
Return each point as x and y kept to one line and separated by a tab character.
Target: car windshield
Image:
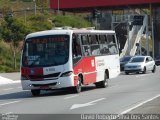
46	51
125	59
137	59
158	57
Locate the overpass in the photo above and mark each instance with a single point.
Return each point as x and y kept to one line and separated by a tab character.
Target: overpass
90	4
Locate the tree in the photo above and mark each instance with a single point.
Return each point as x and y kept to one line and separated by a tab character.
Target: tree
13	31
43	3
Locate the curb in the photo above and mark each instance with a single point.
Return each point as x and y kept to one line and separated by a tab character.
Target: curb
4	81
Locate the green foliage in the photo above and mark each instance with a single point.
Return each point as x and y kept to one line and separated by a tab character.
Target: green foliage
12	30
42	3
38	23
6	58
27	0
73	21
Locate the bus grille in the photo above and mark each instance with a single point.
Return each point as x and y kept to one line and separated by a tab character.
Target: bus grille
39	85
35	77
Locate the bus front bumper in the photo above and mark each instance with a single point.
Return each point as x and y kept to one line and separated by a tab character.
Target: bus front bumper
61	82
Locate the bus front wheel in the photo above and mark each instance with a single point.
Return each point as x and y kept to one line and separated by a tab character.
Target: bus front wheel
35	92
78	87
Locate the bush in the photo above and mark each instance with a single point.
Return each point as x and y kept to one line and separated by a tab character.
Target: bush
73	21
38	23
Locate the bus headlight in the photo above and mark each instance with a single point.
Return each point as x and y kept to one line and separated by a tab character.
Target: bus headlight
66	74
24	78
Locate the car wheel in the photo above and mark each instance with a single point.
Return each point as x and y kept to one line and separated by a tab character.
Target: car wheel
144	70
104	83
35	92
154	69
127	73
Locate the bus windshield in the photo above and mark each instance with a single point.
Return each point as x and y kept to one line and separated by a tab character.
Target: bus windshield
46	51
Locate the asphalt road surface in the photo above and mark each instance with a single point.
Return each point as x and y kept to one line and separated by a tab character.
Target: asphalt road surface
125	94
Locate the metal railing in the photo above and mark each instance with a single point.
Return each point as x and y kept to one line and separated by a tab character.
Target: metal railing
125	49
138	38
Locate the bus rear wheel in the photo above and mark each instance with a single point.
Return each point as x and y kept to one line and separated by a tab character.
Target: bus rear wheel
35	92
104	83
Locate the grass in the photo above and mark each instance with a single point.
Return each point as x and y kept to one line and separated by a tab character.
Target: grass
6	58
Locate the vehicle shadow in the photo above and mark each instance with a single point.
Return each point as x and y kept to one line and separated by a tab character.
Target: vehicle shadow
135	73
27	94
15	95
66	91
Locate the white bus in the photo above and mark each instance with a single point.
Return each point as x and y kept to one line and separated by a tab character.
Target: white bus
68	58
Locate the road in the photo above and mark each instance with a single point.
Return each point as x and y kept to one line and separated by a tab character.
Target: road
125	94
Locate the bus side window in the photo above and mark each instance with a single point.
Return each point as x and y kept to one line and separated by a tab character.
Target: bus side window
111	39
93	39
86	50
112	44
95	49
102	39
85	45
104	50
76	48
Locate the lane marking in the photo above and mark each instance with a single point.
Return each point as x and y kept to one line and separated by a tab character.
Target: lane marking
142	79
9	103
70	97
138	105
8	89
19	87
113	86
74	106
8	113
142	75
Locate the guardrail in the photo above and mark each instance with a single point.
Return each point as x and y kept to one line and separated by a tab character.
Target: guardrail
139	35
131	33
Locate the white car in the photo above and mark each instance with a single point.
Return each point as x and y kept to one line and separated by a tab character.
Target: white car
140	64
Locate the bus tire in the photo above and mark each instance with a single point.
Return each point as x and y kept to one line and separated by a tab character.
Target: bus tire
35	92
104	83
78	87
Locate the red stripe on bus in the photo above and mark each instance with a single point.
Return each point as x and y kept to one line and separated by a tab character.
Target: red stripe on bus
86	66
31	71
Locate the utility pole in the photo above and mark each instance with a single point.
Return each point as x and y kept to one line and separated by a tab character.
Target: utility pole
147	36
35	7
25	16
153	38
58	7
128	36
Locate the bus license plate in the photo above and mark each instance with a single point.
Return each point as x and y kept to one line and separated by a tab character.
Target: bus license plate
44	87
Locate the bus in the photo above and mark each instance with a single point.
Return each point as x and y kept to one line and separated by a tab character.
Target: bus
55	59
